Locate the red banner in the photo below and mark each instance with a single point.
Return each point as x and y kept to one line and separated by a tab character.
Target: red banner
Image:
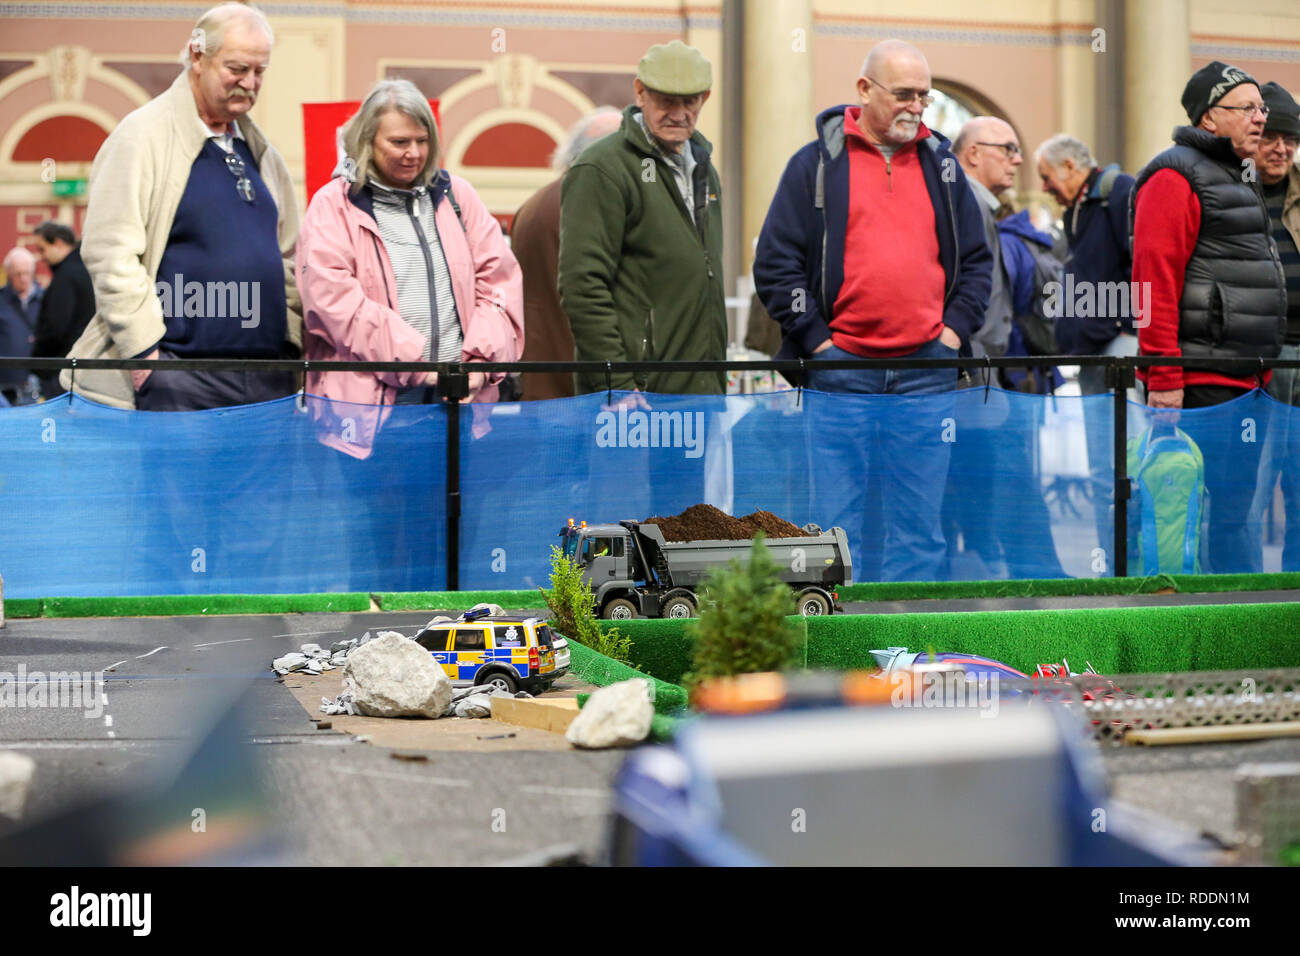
320	126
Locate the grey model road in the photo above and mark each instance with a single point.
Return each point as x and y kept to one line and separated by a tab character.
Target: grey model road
338	802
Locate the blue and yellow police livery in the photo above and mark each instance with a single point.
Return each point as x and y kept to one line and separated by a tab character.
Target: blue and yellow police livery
511	653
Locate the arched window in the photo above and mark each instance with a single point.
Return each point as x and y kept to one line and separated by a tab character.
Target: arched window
66	139
949	111
510	144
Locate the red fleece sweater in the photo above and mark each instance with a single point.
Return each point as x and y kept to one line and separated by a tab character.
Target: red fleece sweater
1166	224
891	302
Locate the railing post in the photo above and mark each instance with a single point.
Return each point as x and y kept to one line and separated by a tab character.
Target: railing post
1120	379
453	386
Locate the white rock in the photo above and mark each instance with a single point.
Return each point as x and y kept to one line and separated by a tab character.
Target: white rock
288	663
392	676
310	650
16	772
615	716
480	705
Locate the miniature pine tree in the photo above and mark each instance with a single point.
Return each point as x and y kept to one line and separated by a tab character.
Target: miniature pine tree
744	624
572	606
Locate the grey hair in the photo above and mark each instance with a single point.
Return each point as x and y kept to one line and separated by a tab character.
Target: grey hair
209	32
403	97
580	138
1057	149
18	252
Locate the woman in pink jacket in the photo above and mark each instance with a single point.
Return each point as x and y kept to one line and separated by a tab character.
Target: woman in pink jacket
400	261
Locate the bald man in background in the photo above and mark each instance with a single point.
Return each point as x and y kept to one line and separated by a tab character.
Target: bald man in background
989	152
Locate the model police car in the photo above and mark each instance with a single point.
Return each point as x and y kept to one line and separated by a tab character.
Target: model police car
497	650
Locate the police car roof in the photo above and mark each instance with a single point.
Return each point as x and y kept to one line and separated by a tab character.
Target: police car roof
496	619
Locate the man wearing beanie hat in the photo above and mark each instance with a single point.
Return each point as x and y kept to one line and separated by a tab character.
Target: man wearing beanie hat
1280	178
640	271
1207	268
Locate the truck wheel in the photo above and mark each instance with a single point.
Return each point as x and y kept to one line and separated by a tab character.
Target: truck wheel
619	609
499	680
813	604
679	606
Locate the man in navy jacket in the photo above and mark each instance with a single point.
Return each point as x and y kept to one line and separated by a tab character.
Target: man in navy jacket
1095	214
874	248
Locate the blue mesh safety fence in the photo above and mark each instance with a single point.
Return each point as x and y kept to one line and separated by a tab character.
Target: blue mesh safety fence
961	486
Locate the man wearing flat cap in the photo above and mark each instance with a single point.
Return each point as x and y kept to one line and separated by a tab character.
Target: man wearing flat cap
640	271
1202	246
1280	178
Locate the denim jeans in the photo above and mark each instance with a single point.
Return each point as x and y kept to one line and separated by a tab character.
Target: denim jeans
903	443
1281	457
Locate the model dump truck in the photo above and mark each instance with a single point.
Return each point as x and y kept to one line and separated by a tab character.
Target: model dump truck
634	570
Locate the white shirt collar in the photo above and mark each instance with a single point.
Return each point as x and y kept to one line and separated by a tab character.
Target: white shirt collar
224	140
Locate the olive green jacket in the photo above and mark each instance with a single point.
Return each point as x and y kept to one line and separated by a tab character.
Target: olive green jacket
638	280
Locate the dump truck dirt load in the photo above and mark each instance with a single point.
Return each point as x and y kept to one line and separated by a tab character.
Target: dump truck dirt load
653	568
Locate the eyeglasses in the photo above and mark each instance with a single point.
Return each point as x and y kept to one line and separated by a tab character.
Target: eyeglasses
1250	110
1011	149
243	185
1289	140
906	96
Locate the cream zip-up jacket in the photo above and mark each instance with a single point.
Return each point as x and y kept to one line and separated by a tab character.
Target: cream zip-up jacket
136	184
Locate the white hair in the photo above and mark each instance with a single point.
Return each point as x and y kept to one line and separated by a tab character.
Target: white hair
1055	150
209	32
580	138
18	253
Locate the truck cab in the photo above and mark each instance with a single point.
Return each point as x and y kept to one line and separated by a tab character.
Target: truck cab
606	554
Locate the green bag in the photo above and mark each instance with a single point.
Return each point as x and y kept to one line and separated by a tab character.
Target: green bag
1170	506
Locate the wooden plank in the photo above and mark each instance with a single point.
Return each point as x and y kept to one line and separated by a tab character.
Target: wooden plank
1220	733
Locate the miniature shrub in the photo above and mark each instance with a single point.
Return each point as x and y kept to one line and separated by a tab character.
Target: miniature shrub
572	605
747	620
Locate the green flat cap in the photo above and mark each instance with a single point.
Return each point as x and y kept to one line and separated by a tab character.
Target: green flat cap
676	69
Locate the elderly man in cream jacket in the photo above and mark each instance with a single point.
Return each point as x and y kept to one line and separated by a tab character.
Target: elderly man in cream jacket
190	232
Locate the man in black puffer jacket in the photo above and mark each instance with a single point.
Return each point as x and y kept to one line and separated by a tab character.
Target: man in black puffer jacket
1209	274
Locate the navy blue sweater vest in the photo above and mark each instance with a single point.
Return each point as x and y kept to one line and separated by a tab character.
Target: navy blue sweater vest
221	279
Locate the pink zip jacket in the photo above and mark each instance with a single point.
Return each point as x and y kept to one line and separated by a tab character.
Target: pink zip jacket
349	296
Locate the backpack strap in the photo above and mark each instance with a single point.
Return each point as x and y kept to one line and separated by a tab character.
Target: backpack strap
451	197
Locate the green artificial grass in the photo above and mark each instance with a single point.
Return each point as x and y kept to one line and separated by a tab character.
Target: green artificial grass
662	646
1066	587
23	607
148	606
186	604
1114	640
602	671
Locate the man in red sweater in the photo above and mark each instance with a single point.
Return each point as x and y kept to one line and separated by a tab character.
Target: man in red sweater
1209	273
873	247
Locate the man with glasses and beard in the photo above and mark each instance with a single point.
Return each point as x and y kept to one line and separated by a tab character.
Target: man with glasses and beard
195	264
873	247
189	239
